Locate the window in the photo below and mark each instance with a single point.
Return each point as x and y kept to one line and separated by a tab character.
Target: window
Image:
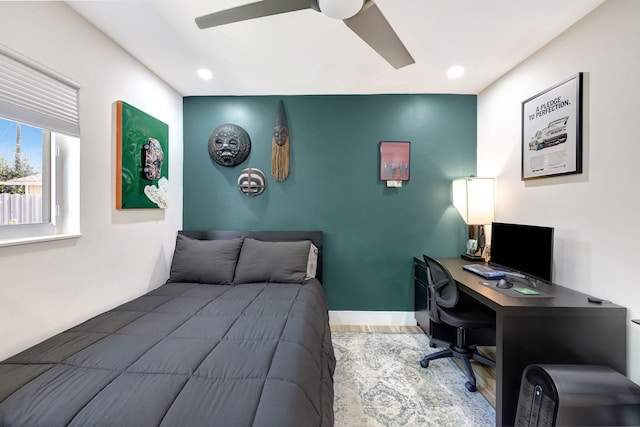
25	160
39	152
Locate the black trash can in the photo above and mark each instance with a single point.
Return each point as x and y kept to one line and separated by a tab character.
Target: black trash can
577	395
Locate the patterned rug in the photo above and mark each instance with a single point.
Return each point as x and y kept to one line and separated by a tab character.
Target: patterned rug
379	382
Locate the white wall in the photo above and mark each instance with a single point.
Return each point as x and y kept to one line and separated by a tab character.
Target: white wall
595	214
48	287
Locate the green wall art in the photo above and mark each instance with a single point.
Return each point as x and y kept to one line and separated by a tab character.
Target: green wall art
142	159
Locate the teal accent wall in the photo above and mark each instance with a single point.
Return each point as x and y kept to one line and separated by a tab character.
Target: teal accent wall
371	232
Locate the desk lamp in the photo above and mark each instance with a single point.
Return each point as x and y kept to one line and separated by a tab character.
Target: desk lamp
474	198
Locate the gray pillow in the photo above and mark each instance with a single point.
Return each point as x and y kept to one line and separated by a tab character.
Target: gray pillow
283	262
204	261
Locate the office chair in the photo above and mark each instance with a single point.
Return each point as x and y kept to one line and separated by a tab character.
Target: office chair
444	306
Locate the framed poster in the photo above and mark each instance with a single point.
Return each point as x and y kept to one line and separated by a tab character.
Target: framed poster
394	161
552	131
142	159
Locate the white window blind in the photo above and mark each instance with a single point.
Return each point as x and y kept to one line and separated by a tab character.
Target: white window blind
33	94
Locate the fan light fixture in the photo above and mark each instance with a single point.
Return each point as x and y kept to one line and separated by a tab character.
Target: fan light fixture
340	9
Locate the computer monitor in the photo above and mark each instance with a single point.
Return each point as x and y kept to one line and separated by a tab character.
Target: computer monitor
524	249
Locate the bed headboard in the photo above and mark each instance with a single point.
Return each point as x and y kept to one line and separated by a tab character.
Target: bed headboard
268	236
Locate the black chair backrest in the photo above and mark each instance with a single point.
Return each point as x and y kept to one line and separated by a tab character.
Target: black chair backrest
442	288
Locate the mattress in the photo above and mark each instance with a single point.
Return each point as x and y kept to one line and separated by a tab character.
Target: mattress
185	354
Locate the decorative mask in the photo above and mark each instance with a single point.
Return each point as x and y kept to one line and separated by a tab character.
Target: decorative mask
252	181
280	146
229	145
280	134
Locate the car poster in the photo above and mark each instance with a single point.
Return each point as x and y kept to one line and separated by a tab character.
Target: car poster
552	131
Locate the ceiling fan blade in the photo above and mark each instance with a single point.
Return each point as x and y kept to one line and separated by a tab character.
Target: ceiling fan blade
372	27
254	10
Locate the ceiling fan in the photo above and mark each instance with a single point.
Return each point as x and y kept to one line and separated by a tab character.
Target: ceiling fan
366	21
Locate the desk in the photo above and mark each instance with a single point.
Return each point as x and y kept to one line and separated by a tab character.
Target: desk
565	328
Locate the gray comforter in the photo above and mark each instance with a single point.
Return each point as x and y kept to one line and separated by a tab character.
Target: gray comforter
185	354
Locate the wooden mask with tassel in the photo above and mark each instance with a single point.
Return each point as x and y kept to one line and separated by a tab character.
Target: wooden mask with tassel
280	146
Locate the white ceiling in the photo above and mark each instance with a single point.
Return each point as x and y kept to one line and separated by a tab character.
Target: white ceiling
306	52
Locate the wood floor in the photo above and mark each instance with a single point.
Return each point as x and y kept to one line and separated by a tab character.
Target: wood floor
485	375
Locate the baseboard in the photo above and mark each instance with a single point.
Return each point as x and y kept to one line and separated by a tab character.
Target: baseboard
375	318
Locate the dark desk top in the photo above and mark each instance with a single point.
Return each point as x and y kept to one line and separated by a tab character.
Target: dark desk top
559	296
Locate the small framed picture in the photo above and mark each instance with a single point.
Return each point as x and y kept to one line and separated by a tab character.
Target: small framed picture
394	160
552	131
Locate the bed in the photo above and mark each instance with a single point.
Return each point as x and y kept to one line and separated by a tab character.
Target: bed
238	336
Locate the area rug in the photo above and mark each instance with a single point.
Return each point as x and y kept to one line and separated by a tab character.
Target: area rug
378	381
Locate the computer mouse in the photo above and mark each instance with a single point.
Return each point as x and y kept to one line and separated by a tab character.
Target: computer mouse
504	284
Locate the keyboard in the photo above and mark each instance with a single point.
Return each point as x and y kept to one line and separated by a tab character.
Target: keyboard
484	271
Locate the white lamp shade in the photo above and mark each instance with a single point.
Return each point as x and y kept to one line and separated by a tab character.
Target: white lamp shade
340	9
474	198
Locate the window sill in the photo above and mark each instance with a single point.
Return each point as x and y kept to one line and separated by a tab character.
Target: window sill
37	239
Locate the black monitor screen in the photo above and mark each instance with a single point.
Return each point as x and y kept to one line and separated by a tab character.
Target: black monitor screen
526	249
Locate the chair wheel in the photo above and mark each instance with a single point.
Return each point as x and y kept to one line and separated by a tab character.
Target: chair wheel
471	387
424	363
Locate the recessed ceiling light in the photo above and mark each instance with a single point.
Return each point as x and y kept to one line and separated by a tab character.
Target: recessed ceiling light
455	72
205	74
